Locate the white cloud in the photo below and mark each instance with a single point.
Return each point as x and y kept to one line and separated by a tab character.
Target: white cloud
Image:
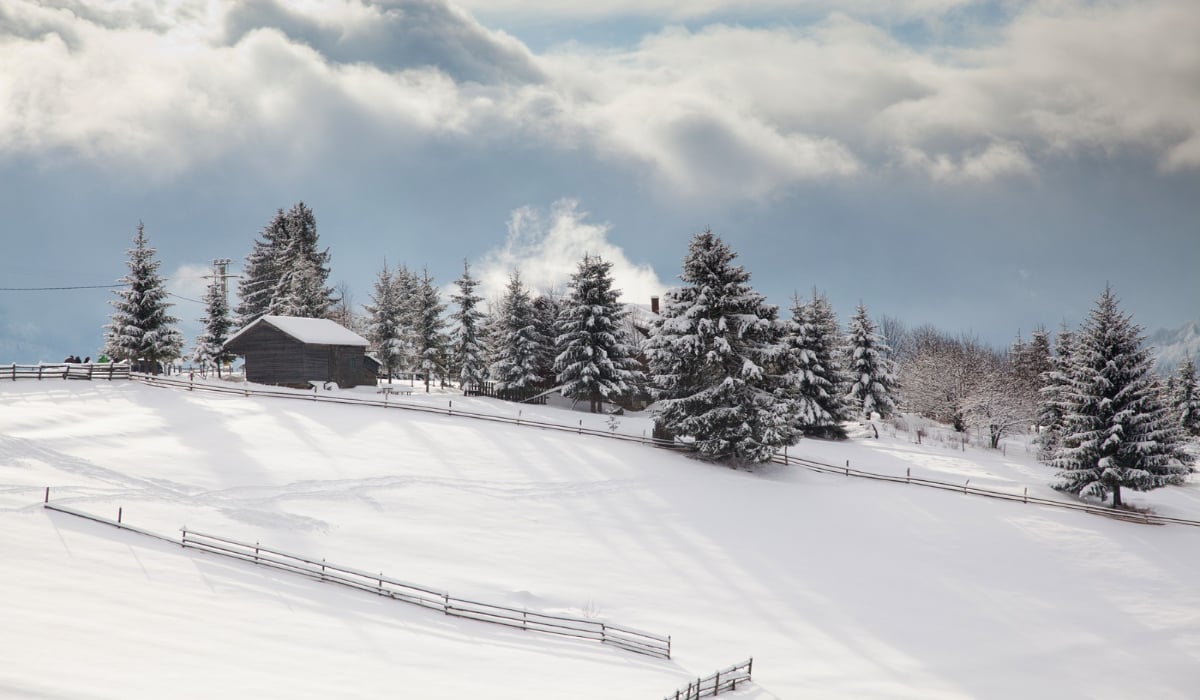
546	246
725	112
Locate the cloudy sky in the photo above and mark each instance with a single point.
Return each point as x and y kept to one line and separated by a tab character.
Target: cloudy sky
985	166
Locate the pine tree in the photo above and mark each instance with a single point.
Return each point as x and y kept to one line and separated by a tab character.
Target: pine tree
1052	398
285	273
519	345
383	323
1185	397
872	381
1116	430
141	330
260	275
406	287
210	346
302	288
815	375
469	352
429	331
712	358
593	361
546	309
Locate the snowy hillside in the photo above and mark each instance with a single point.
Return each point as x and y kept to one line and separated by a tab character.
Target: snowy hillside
837	587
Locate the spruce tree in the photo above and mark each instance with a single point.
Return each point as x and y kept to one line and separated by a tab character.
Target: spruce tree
1116	430
546	309
286	274
519	345
429	335
302	287
872	377
383	323
1052	396
141	330
260	275
406	287
1185	398
713	360
469	351
814	369
593	362
210	346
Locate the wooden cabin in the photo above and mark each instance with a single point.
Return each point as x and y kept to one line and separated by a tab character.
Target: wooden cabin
290	351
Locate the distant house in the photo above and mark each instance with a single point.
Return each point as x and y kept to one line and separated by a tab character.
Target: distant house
290	351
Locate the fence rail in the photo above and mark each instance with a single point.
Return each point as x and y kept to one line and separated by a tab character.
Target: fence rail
581	628
725	679
66	370
779	458
619	636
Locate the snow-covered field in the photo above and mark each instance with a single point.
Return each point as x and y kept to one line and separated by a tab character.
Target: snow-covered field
837	587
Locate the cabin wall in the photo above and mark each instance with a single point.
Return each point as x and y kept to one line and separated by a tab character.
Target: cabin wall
273	357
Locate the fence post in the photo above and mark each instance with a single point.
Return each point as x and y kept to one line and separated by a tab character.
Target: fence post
39	373
581	426
966	485
255	552
717	684
908	475
524	620
14	371
47	499
119	511
183	538
847	467
1026	494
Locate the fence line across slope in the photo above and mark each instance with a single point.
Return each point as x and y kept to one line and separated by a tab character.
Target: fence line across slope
778	458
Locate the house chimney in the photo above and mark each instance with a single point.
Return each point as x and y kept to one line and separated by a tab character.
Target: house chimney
654	304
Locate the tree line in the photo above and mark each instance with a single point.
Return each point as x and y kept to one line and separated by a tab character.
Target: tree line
729	375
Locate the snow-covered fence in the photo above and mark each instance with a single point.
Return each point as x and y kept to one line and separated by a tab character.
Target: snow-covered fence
966	488
66	370
779	458
725	679
532	621
441	601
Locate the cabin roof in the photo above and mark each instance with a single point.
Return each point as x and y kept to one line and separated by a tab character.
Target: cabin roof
311	331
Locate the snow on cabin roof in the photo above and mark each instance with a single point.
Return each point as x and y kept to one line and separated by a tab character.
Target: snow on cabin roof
313	331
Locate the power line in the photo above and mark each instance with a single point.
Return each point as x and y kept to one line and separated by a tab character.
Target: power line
54	289
178	296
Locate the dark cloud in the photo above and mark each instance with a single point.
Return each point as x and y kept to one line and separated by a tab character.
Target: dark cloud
395	36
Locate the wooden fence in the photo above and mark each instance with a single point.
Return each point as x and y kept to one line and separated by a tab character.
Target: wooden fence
779	457
532	396
618	636
66	370
726	679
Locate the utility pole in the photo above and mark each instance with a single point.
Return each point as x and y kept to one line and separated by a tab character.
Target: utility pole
221	272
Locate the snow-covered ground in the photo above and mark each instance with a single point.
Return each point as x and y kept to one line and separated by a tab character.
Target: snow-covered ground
838	587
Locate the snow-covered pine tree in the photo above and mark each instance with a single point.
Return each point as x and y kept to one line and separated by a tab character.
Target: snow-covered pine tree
545	315
594	361
469	352
712	357
383	323
1117	432
406	287
1053	395
872	377
1185	397
814	369
210	345
302	288
260	275
141	331
429	330
302	291
519	345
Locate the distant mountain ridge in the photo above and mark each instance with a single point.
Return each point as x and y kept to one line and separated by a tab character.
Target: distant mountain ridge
1171	347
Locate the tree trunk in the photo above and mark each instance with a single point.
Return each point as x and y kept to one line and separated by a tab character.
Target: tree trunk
1117	496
